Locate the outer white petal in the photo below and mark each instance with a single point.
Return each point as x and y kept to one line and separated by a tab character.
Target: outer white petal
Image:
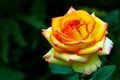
89	67
107	47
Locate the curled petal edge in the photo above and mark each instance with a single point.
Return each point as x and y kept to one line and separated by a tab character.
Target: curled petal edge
72	57
108	45
92	49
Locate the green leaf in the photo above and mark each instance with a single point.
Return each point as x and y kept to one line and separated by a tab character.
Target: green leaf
58	69
9	74
104	73
74	77
113	16
103	60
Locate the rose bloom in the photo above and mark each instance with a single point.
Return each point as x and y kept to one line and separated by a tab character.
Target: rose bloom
77	39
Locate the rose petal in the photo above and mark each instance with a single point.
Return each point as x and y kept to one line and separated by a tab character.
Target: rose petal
90	27
71	9
46	33
100	28
93	48
83	31
107	47
67	18
71	57
89	67
56	24
89	40
63	37
85	16
60	47
106	32
76	34
49	57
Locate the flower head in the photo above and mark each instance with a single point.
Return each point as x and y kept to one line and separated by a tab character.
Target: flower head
77	39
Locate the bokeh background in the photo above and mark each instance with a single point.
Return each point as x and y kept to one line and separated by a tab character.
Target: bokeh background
22	44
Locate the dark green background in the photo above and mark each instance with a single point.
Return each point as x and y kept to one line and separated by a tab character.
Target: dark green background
22	44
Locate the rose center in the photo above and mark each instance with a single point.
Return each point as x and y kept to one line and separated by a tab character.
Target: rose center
70	25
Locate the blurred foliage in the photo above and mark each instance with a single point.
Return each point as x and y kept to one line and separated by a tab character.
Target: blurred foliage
22	44
103	73
113	18
9	74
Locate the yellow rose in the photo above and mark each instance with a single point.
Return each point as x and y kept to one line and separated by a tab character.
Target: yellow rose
77	39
